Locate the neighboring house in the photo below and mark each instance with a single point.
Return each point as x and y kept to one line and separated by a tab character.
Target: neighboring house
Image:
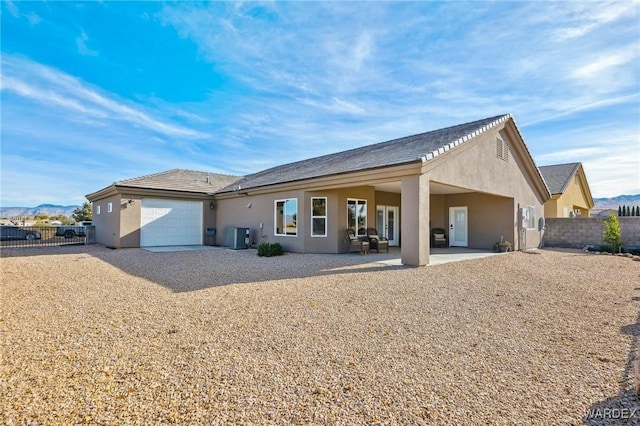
171	208
477	180
570	193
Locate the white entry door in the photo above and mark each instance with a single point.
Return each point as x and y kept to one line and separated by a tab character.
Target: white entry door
387	223
458	226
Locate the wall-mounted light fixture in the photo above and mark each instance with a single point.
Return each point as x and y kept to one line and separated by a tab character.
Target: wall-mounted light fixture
130	201
212	205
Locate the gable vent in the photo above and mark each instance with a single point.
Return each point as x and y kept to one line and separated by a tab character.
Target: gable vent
502	149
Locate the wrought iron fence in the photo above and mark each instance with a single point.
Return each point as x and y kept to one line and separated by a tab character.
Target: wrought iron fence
46	236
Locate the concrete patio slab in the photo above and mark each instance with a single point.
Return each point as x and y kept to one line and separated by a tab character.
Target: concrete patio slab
438	256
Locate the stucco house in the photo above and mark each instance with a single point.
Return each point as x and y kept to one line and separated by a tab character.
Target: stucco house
175	207
477	180
570	193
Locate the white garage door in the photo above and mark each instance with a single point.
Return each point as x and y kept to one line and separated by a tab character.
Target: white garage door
170	222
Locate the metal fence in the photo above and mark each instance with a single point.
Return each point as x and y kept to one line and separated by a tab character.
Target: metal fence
46	236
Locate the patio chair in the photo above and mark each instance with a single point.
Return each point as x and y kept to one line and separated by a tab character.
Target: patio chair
356	244
376	242
438	237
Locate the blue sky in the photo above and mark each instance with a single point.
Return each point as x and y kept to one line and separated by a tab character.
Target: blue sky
96	92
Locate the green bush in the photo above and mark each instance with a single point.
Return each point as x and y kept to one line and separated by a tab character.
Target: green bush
611	236
270	249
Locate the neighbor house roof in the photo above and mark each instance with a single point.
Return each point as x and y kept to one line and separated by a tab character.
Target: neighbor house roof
174	180
421	147
558	176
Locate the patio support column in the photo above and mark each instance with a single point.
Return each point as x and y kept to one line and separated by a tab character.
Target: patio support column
415	220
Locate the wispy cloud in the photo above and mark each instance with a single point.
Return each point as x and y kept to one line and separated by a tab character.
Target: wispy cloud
54	88
81	42
582	18
291	80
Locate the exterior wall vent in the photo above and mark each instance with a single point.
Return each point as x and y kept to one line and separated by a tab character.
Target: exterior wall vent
502	149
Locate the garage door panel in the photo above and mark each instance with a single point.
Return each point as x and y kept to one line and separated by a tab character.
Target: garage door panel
170	222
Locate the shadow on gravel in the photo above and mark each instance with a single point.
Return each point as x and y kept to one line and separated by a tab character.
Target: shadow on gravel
196	270
623	408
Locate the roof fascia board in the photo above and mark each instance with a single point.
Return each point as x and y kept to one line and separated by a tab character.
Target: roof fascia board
584	184
520	147
145	192
342	180
523	151
433	154
103	193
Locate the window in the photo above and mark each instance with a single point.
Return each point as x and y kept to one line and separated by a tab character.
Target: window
109	207
318	216
286	217
357	216
529	217
98	209
502	149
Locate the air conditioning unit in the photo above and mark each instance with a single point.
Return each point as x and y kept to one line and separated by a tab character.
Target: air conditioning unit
237	238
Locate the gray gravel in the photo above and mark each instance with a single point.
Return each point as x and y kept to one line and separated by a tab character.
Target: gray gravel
98	336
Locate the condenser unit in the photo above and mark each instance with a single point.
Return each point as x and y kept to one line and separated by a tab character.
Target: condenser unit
237	238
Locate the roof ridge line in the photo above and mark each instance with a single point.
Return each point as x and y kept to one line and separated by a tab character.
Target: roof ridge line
145	176
433	154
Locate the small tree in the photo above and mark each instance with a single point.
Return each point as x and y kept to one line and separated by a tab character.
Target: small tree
83	213
637	210
628	211
611	235
619	211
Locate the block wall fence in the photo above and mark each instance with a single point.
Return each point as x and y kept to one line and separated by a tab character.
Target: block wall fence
580	232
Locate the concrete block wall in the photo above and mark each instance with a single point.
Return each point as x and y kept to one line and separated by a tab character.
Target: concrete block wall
587	231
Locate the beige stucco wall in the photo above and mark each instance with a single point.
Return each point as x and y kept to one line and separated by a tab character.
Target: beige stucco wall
489	217
107	224
437	216
121	227
475	166
234	212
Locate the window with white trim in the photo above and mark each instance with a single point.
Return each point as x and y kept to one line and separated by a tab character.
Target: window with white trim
286	217
109	207
98	209
318	216
357	215
530	217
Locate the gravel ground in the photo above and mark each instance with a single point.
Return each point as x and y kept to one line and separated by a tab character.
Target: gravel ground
98	336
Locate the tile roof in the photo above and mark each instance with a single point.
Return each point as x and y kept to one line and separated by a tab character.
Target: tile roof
558	176
395	152
181	180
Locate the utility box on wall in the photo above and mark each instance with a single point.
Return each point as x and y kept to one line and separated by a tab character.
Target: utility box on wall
210	236
237	238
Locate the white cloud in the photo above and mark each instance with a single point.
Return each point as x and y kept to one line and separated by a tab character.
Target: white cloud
581	18
55	88
81	43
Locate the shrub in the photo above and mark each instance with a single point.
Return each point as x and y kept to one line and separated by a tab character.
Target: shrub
611	235
270	249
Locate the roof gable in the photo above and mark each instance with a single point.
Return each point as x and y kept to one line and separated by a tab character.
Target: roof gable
420	147
558	176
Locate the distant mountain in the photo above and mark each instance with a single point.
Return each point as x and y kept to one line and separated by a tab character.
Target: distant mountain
48	209
613	203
